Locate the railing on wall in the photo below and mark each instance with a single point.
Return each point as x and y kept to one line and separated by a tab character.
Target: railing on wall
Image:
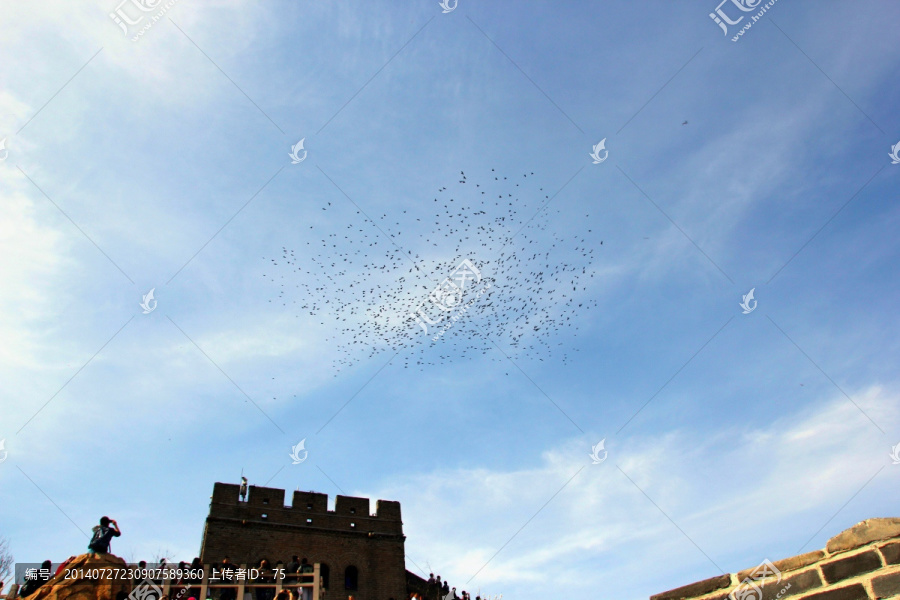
243	587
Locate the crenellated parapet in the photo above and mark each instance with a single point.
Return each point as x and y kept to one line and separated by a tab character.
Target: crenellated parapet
264	505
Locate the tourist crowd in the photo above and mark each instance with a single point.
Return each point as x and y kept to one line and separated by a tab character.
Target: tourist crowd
441	590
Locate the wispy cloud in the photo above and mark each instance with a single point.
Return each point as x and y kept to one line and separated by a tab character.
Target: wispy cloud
718	489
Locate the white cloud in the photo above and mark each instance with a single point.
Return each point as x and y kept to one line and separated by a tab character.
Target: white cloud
717	490
35	254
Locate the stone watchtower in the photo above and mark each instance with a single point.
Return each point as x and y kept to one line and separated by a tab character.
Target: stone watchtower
361	554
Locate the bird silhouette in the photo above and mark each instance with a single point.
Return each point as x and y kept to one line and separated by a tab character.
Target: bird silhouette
527	283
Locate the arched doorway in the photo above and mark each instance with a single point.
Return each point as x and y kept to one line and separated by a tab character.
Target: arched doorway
351	578
324	573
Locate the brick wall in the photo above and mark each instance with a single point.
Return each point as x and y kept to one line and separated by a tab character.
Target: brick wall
263	527
861	563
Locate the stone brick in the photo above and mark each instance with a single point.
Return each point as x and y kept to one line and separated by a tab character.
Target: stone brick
886	586
891	553
798	562
850	592
789	564
851	566
800	583
693	590
870	530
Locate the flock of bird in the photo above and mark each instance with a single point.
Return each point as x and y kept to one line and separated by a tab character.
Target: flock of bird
375	278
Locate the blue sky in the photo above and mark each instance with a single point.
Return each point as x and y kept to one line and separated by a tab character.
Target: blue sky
163	163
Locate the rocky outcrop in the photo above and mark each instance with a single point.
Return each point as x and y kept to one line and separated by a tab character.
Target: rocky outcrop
90	577
861	563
